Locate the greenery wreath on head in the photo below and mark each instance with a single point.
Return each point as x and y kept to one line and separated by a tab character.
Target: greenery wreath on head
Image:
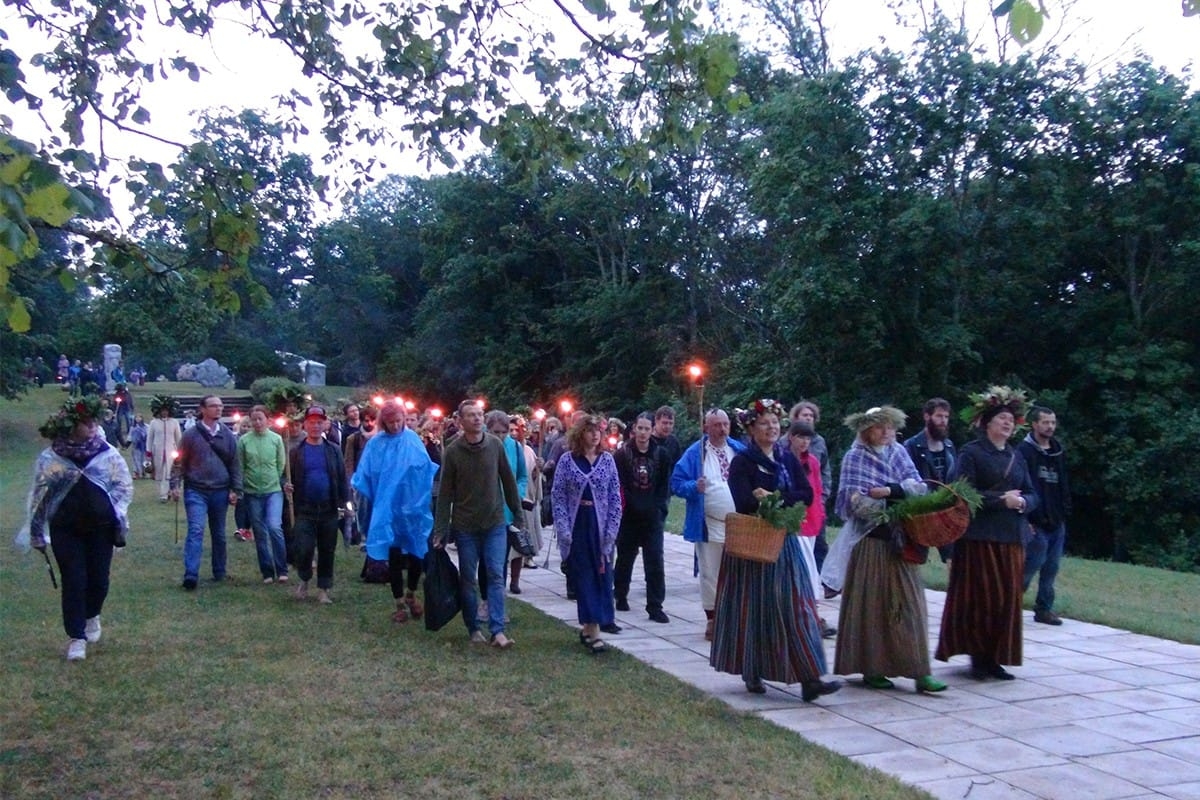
163	401
765	405
89	408
994	397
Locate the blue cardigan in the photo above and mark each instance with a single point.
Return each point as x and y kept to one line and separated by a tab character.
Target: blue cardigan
683	484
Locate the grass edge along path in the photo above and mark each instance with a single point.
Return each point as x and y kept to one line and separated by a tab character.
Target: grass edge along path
236	690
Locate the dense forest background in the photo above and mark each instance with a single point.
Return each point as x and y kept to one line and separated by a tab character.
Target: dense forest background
903	225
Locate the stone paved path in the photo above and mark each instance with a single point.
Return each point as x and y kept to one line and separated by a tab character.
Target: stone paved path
1095	712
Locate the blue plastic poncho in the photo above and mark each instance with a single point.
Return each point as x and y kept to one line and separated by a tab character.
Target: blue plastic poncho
396	475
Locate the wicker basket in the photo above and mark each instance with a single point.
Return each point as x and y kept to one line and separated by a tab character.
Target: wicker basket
939	528
753	538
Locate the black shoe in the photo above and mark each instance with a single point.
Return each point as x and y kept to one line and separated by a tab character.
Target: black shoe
659	616
1000	673
514	589
756	687
189	584
611	627
1047	618
814	689
570	595
622	604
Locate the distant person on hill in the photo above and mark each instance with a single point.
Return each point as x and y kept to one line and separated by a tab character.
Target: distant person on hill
78	506
137	439
162	441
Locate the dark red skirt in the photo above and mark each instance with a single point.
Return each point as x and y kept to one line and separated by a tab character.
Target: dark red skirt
982	616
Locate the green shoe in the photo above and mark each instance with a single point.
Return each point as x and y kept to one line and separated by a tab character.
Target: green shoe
877	682
928	684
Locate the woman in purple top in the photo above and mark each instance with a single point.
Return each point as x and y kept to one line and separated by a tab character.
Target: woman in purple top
587	515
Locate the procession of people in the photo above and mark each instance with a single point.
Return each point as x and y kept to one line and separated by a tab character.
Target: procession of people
464	482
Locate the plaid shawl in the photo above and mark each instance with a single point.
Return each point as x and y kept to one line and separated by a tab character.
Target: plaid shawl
864	467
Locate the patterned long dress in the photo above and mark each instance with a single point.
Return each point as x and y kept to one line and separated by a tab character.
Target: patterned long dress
766	621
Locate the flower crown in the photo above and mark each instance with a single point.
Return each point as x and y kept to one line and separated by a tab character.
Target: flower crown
996	397
63	422
747	416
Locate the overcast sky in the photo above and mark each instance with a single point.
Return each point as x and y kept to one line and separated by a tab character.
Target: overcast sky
247	73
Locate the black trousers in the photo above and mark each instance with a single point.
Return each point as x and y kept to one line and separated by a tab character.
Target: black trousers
317	532
646	535
84	555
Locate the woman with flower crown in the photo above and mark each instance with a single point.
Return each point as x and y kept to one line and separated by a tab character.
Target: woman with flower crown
982	615
766	621
78	505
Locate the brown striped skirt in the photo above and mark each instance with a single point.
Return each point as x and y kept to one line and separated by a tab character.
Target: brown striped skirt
766	623
883	624
982	616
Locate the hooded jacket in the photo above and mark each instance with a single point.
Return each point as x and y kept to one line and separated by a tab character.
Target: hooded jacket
1048	469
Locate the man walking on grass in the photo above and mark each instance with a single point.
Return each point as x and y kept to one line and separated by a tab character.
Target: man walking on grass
210	474
1048	467
477	483
319	494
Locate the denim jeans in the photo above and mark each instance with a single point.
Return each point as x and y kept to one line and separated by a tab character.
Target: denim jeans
200	505
266	518
1042	555
492	545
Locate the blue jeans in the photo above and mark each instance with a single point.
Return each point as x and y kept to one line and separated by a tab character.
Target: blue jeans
492	544
201	504
266	518
1042	555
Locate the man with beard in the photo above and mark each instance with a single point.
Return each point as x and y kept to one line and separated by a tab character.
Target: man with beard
932	451
1048	467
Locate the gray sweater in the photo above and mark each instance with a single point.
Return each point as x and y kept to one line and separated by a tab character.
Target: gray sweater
208	463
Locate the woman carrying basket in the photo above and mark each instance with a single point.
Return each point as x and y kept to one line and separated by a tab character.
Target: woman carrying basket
766	614
882	626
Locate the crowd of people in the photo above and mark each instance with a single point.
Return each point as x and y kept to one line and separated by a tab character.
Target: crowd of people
397	483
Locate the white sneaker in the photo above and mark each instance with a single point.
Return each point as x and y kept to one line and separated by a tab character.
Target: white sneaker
92	629
77	650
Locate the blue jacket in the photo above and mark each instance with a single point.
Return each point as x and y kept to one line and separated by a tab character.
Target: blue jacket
683	484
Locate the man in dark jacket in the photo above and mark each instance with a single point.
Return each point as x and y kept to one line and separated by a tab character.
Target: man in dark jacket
210	473
1048	468
932	452
319	493
645	483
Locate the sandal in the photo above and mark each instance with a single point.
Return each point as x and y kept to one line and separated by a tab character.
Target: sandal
415	609
596	646
401	615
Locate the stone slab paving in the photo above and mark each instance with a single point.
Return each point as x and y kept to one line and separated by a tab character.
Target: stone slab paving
1095	712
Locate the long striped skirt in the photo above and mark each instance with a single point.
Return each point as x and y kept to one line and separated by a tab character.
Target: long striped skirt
766	620
982	616
883	626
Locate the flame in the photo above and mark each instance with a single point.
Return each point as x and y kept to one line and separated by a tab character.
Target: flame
539	414
409	405
566	406
281	422
435	412
696	371
377	399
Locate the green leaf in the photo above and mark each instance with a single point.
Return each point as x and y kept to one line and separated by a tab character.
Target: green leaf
67	281
50	203
18	315
1025	21
14	169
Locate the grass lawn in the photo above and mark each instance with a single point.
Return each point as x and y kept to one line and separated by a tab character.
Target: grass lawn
238	691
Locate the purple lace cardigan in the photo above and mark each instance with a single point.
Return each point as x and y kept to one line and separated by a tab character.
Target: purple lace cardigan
569	483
